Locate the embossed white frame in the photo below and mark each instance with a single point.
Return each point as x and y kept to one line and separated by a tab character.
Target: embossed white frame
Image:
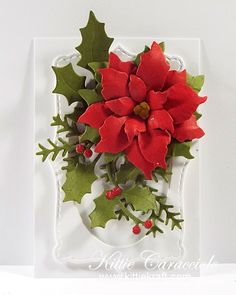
44	48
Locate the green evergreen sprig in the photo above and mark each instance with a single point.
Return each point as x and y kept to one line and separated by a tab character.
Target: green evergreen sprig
64	147
57	121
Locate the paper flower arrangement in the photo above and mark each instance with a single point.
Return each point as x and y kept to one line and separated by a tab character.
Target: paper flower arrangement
131	121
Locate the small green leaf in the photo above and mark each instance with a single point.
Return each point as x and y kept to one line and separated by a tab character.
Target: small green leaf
164	173
146	49
68	83
120	213
90	134
78	182
99	89
171	216
78	111
95	66
127	172
103	212
89	95
108	157
69	124
195	82
197	115
95	42
180	149
141	198
162	45
72	119
137	59
57	121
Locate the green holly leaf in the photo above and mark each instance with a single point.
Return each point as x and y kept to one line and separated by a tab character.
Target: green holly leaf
103	212
68	83
197	115
78	182
71	163
127	172
180	149
95	66
141	198
95	42
90	96
90	134
195	82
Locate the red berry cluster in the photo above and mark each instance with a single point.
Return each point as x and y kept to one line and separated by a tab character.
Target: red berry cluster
147	224
116	191
80	149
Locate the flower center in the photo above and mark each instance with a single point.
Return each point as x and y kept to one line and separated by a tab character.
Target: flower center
142	110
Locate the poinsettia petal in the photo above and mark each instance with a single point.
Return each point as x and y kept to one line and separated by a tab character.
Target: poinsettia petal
174	77
161	119
182	102
133	126
188	130
137	88
113	138
153	145
153	68
121	106
135	156
156	100
114	83
122	66
95	115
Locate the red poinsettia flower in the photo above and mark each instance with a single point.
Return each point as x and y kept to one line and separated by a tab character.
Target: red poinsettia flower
144	107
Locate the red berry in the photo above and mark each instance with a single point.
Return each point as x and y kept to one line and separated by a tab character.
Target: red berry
117	191
148	223
79	148
109	195
88	153
136	229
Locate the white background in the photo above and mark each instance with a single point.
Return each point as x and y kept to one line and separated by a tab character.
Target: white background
213	21
222	283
